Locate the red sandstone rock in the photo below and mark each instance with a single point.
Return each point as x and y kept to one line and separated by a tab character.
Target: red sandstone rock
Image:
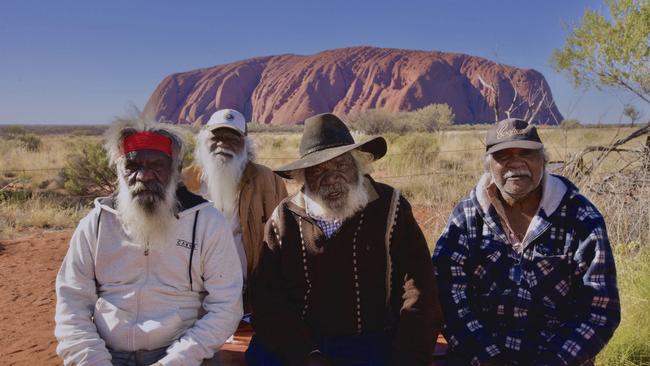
286	89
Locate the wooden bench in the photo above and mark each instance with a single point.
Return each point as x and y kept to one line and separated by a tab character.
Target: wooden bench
232	354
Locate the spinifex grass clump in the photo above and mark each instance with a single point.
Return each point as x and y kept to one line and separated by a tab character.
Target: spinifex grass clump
631	342
411	154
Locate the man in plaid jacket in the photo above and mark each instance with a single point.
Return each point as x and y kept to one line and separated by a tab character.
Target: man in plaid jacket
524	268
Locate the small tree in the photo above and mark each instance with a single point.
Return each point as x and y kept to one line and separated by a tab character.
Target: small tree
632	113
610	51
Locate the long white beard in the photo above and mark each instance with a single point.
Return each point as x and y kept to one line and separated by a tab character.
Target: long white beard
221	175
356	200
144	226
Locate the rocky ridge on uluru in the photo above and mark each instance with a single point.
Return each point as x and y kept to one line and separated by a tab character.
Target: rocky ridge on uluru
286	89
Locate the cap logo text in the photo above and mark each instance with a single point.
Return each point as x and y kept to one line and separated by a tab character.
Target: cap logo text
507	131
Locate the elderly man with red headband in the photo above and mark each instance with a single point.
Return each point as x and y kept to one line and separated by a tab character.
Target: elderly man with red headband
152	275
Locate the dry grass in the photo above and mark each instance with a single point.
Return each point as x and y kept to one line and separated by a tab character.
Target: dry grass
38	212
434	171
439	171
37	168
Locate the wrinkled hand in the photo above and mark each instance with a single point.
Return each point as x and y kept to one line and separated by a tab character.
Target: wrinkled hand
317	359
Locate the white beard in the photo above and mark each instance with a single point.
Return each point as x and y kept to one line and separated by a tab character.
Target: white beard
220	174
356	200
146	226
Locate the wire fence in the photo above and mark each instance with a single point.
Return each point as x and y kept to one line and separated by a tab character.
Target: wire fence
17	170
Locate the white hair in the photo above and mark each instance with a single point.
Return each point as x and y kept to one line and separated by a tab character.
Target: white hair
149	228
356	199
146	226
222	176
124	127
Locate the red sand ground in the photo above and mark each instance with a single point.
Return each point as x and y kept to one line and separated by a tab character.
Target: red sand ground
28	267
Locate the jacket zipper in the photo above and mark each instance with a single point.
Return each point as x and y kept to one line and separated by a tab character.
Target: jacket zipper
144	282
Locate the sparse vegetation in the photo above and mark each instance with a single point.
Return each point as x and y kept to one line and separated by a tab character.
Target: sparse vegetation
29	142
631	342
433	117
87	171
434	170
610	50
569	124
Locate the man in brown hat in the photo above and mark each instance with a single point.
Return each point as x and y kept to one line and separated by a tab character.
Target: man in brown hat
344	277
524	267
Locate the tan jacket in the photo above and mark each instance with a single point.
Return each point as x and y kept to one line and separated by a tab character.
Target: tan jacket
261	191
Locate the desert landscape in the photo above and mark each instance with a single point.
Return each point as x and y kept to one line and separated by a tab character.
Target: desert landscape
41	202
429	77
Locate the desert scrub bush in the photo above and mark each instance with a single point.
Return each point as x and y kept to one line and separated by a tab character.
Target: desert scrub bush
254	127
413	153
29	142
87	171
376	122
570	124
427	119
430	118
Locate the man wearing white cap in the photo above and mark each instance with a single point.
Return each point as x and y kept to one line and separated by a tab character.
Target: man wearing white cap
242	190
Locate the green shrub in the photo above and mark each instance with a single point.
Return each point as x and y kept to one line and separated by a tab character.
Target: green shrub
430	118
427	119
374	122
87	172
29	142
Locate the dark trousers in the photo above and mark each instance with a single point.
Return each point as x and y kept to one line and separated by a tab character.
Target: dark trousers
362	350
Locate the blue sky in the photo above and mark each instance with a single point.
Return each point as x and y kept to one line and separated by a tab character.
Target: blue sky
78	62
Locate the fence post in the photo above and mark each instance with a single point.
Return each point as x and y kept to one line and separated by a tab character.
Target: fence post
646	154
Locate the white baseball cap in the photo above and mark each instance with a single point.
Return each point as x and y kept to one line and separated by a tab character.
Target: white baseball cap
228	118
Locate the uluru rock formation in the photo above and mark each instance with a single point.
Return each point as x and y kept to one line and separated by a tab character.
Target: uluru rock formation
286	89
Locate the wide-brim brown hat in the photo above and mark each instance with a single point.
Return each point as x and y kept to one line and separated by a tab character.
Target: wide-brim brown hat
324	138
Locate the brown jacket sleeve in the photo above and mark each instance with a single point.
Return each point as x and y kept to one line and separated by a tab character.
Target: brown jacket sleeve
420	316
275	320
280	188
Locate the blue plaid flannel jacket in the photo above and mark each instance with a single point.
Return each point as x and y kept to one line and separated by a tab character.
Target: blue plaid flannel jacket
555	303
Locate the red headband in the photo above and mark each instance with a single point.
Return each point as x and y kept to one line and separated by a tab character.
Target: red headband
147	141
